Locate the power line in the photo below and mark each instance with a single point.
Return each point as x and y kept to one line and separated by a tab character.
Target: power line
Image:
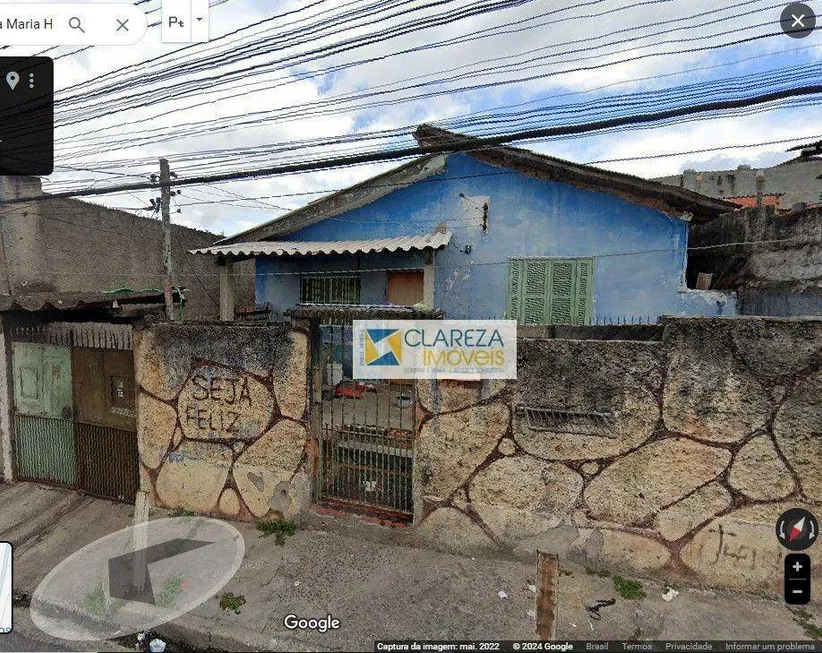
439	179
331	105
466	144
451	266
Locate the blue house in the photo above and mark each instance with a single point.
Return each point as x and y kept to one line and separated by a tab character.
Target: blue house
489	233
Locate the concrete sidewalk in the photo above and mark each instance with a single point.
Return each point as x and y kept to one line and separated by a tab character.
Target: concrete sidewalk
379	588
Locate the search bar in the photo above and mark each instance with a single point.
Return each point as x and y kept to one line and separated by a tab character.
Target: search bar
71	24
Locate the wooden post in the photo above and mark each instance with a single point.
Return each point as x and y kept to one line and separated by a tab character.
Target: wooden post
227	290
428	280
547	575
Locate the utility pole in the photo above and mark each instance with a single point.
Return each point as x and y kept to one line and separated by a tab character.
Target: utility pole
760	193
165	208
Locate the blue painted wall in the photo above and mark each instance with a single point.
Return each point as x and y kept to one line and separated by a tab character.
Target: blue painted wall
639	252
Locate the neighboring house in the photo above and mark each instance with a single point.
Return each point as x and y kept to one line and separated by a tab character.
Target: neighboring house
796	181
66	245
492	233
777	268
73	278
67	411
753	201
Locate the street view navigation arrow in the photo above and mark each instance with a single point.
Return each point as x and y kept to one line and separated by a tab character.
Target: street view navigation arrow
137	578
128	576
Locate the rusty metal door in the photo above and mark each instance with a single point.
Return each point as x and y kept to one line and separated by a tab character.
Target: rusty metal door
74	407
43	431
105	422
365	432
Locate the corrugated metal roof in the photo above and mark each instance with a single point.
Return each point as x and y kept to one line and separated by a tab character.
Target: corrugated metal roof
340	313
64	301
309	248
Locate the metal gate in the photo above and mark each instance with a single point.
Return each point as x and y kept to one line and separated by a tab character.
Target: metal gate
73	414
365	432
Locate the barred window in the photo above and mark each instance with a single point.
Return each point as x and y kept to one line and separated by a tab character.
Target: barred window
330	290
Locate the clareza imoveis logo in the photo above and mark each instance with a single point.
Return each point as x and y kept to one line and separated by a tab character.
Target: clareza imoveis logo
434	349
383	347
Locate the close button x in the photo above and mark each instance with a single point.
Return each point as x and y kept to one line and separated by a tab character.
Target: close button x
122	24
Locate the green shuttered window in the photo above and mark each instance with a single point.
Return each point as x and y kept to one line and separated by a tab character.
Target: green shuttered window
550	291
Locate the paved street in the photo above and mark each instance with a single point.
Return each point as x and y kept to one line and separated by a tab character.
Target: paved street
378	586
26	637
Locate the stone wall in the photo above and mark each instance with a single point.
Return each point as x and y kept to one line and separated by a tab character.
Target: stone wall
222	424
671	459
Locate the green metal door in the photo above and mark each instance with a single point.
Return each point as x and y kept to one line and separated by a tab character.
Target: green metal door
44	448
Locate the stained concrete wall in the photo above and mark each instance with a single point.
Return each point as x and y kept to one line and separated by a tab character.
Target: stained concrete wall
796	181
780	274
713	433
64	245
222	418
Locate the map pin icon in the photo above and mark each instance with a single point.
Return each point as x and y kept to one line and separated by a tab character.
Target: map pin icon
12	79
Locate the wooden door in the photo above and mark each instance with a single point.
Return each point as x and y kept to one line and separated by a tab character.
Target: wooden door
405	287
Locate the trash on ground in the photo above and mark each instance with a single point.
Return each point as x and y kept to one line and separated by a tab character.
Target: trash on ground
670	595
532	614
157	646
502	595
593	610
533	588
141	641
296	583
350	389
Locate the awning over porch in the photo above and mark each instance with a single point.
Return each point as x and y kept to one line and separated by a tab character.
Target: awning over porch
323	248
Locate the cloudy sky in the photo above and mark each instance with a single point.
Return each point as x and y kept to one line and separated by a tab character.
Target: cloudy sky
299	87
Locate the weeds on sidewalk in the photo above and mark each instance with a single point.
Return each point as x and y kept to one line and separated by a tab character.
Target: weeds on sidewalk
231	603
279	528
602	573
804	619
182	512
629	589
167	597
95	602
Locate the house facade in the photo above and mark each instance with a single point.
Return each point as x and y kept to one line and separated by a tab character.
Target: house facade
488	234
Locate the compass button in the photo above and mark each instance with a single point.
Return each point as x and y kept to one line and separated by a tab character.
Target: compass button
797	529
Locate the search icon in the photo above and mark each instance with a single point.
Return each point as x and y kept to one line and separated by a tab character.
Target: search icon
76	23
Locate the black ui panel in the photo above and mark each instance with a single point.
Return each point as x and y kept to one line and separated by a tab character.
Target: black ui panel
26	116
797	579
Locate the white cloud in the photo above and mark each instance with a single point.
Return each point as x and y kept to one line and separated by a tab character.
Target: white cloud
79	145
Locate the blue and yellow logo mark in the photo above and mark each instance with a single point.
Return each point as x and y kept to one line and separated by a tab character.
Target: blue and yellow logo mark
383	346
